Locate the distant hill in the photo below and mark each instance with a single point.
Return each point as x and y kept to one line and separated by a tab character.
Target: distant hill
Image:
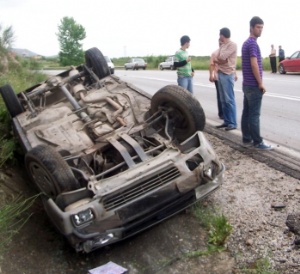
24	52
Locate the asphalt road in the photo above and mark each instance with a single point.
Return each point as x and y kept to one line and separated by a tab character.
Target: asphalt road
280	119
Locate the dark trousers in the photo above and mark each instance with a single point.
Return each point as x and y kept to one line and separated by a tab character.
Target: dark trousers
273	64
220	111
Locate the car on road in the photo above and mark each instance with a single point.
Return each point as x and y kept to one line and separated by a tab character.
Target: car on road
135	64
168	63
110	64
290	64
108	159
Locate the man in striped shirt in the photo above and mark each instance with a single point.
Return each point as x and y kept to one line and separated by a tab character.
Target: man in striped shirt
253	87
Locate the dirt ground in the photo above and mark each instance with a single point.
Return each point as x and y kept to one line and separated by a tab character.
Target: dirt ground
248	198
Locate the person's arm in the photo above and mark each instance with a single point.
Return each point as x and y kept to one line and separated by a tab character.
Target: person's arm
211	69
180	64
226	52
255	71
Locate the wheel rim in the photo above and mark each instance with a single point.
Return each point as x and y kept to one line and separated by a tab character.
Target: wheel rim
43	179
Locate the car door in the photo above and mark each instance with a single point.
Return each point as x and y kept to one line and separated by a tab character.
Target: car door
293	63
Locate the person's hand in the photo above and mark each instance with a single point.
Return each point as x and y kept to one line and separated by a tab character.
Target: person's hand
211	79
189	59
235	78
193	73
262	89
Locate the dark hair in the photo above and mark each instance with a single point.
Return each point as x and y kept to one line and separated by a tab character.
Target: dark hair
225	32
256	21
184	39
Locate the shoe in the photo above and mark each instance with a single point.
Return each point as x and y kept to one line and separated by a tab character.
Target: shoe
247	144
230	128
221	126
263	146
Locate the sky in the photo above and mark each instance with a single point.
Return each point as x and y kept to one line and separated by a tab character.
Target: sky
141	28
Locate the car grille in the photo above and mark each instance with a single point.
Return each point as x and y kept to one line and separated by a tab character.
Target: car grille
115	200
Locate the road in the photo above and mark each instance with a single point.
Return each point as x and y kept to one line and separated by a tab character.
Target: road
280	118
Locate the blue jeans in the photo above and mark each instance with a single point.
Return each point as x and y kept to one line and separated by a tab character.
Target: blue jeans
251	113
186	82
227	98
220	110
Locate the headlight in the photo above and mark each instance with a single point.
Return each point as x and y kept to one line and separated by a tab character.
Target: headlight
209	173
83	217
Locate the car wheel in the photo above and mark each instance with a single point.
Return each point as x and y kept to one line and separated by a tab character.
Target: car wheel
11	101
184	110
95	60
112	71
281	69
171	68
161	68
49	171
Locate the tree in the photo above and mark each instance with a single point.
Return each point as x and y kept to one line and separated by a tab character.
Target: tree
69	36
7	37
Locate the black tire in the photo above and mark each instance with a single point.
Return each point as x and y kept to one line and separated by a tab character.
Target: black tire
95	60
11	101
161	68
171	67
281	69
186	112
49	171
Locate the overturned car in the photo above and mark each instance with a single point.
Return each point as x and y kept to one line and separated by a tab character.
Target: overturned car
110	160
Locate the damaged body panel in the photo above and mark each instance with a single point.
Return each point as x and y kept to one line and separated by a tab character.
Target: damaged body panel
110	160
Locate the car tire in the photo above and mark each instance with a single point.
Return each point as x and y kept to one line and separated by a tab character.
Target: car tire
11	101
171	67
185	110
161	68
49	171
95	60
281	69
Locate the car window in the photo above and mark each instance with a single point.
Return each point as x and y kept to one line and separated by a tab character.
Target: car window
295	55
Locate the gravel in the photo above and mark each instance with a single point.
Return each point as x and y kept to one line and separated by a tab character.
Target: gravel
257	200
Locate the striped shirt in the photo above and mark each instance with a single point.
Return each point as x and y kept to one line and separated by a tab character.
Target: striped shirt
250	49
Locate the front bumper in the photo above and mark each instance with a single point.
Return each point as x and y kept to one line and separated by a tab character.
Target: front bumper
157	208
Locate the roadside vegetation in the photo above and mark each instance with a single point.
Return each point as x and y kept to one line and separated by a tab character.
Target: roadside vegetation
13	215
217	226
18	73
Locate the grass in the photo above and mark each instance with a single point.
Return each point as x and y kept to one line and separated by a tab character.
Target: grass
261	266
215	222
13	216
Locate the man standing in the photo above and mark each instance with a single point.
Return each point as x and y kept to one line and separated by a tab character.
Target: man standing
183	64
253	87
226	61
273	59
281	55
213	77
